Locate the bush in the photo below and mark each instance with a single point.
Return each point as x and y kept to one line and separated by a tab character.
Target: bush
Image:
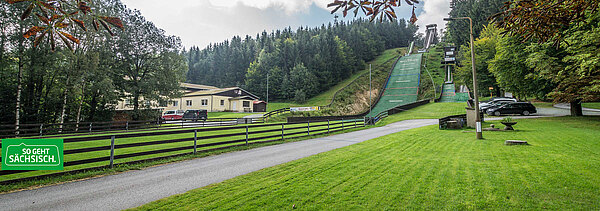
300	96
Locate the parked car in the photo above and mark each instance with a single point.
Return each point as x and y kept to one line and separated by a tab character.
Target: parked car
195	115
173	115
484	108
495	100
522	108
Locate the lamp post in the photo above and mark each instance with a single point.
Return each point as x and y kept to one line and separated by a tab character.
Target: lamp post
478	115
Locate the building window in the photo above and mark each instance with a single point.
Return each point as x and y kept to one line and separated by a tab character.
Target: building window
163	103
188	102
204	102
246	104
175	103
222	102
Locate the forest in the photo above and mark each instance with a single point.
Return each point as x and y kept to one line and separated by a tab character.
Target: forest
59	81
543	50
300	64
43	85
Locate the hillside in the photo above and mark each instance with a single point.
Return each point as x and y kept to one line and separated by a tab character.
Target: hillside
353	91
431	63
298	64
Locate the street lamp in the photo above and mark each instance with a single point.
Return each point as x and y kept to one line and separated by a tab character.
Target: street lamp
478	115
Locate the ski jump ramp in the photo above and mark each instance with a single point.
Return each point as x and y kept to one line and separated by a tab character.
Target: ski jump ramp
402	87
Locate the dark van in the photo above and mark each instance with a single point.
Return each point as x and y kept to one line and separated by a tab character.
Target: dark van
195	115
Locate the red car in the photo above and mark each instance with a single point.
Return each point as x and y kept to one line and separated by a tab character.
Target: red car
173	115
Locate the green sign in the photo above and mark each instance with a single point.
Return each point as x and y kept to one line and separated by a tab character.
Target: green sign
32	154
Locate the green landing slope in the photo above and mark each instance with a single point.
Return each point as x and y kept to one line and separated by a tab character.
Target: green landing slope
450	94
403	85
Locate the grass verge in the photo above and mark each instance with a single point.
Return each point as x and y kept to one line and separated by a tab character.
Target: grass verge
591	105
427	169
428	111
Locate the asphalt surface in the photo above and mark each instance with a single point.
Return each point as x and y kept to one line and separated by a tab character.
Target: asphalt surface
135	188
568	107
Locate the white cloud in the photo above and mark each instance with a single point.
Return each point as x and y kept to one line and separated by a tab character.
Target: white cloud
434	11
289	6
200	22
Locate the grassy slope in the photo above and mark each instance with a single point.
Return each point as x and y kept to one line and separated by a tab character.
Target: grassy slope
432	60
325	97
426	168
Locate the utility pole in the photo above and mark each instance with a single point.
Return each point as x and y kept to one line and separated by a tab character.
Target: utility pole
370	88
478	115
267	106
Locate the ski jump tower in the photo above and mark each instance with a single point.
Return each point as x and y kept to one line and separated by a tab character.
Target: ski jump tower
431	37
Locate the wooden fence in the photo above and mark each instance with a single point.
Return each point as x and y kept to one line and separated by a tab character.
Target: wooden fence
101	151
68	129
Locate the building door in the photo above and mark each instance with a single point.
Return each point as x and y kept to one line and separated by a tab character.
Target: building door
234	106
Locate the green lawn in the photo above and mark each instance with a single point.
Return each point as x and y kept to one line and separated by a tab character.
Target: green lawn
428	111
591	105
228	114
427	169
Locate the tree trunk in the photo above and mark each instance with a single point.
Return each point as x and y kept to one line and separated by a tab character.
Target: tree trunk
19	88
576	109
93	105
64	106
80	104
136	106
19	85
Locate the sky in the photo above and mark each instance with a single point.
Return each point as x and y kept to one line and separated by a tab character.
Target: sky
200	22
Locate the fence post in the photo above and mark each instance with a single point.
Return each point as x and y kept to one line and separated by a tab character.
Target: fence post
342	123
308	128
282	131
195	140
328	126
112	150
41	129
127	126
355	123
246	135
90	127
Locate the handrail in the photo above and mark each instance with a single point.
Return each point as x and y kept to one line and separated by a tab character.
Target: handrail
273	113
